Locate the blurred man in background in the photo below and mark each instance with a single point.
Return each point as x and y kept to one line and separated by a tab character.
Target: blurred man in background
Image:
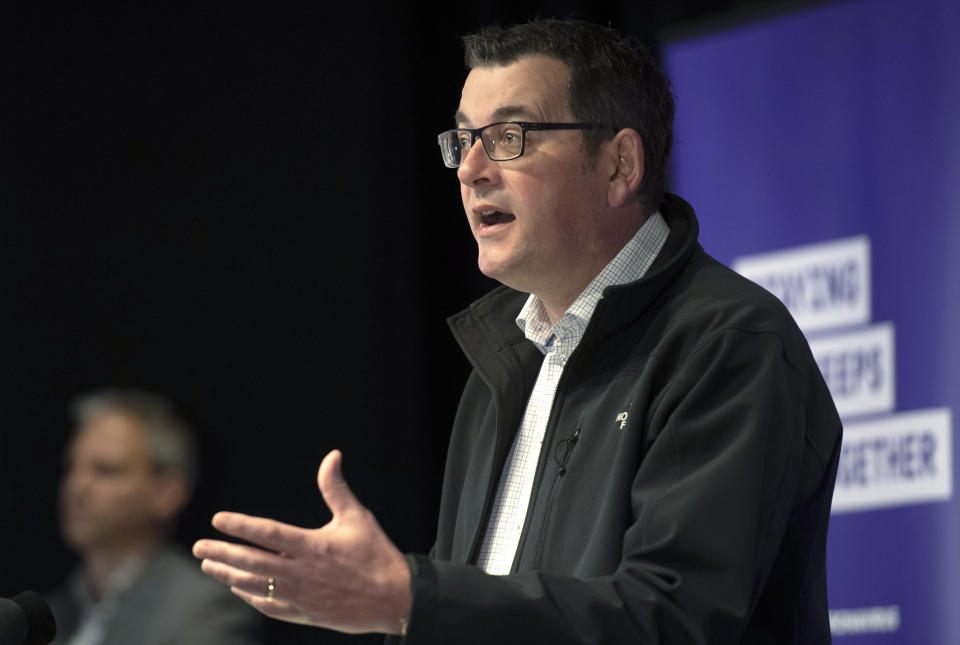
129	469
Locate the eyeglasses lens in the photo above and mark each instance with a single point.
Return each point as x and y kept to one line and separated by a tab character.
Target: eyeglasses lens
502	141
454	145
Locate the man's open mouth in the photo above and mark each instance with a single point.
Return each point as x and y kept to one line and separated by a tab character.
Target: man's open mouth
489	218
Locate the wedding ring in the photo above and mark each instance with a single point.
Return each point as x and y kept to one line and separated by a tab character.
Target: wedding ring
271	585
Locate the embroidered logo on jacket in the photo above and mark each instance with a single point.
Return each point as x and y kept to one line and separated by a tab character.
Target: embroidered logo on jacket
622	418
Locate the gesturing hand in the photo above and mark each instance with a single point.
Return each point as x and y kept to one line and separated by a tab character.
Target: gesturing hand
347	575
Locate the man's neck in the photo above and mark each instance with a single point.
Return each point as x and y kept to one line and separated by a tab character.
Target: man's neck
557	308
100	565
557	300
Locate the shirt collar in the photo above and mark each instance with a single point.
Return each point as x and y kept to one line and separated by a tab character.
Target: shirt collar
120	580
629	265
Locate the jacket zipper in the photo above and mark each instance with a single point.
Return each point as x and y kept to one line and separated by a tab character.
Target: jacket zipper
568	445
551	424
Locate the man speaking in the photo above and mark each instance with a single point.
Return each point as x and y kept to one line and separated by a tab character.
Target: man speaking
645	451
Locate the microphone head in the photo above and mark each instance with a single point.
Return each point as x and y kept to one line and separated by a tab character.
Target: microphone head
41	627
13	623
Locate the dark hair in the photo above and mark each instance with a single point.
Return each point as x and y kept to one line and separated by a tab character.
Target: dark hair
614	81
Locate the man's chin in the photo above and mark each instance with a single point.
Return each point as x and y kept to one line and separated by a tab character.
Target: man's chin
494	270
81	536
506	277
496	264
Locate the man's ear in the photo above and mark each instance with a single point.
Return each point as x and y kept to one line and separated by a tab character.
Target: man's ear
623	159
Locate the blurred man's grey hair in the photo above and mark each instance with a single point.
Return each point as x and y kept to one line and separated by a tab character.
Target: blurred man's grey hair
171	442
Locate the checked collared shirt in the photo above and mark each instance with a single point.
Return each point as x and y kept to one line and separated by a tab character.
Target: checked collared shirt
557	343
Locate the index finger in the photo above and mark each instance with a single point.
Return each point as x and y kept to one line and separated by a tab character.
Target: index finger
280	537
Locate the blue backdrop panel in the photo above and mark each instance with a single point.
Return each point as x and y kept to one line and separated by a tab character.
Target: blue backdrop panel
821	149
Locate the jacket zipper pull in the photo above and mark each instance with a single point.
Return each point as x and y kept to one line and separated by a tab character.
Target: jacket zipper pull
564	447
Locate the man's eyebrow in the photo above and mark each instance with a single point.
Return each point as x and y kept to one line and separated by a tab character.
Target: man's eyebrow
511	111
504	113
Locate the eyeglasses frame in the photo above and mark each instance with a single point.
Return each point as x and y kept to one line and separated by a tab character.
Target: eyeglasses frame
476	133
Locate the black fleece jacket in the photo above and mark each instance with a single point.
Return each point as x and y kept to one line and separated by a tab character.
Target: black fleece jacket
685	480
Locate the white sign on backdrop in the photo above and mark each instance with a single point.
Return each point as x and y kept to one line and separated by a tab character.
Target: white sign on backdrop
823	285
858	367
903	458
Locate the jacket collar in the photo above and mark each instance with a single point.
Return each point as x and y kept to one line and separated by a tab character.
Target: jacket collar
488	326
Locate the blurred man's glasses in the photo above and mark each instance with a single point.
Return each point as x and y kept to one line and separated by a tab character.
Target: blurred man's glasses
503	141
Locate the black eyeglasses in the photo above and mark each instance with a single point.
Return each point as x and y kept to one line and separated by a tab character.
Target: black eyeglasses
502	141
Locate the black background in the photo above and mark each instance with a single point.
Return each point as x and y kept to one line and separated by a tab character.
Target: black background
243	209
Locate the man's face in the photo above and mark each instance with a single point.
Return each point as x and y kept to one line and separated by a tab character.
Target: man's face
533	217
109	489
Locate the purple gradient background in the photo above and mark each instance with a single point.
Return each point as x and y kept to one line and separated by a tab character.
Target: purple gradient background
828	122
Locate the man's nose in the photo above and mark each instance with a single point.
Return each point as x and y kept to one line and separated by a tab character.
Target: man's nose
476	166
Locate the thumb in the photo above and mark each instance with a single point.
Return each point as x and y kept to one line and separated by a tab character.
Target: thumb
336	493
